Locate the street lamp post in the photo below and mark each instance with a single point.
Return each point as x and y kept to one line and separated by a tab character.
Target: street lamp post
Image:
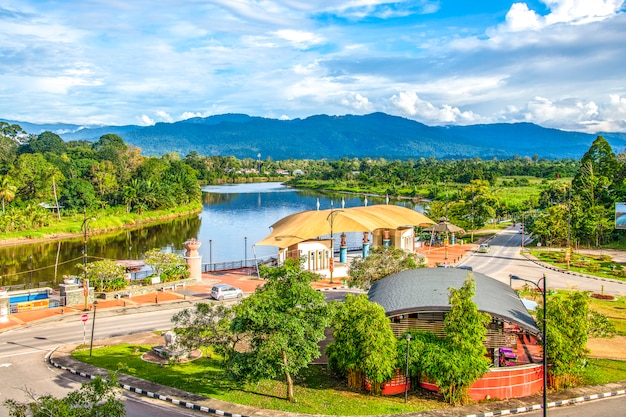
545	334
331	219
85	280
211	254
245	251
93	325
406	382
31	270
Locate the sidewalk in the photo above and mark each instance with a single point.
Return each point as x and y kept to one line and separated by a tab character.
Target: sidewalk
244	279
61	357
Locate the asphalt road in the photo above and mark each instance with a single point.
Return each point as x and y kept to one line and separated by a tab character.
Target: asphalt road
22	351
23	366
505	259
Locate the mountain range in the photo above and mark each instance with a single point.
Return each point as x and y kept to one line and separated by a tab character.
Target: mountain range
334	137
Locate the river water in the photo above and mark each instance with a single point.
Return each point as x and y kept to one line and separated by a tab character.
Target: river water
233	219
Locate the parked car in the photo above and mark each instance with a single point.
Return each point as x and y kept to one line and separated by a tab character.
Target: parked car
225	291
483	248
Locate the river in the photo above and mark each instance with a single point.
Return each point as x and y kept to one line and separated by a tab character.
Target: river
232	220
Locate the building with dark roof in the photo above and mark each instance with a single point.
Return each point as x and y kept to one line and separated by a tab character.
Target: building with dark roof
418	299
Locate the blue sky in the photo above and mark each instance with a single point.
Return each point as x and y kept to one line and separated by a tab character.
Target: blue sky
557	63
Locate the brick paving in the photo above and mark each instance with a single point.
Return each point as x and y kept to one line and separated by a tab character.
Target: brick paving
245	279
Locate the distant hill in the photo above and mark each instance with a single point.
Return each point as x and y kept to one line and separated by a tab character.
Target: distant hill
334	137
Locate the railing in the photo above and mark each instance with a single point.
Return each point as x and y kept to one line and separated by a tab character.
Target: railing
242	264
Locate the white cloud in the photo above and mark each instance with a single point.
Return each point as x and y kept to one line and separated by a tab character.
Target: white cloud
580	11
300	38
145	120
521	18
164	116
356	102
409	103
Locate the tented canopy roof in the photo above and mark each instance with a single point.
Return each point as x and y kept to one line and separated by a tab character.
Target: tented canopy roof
444	226
306	225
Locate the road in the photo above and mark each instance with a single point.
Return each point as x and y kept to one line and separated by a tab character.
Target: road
597	408
505	258
23	350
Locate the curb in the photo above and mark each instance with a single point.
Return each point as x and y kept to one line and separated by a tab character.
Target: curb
146	393
201	408
565	271
552	404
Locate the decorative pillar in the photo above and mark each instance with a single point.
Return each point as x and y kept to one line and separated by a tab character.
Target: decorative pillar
193	259
4	305
343	249
366	244
386	240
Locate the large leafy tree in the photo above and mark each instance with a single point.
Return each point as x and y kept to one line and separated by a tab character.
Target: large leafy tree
363	343
570	322
34	174
106	275
456	361
166	265
46	142
382	262
476	207
98	397
283	320
207	325
594	180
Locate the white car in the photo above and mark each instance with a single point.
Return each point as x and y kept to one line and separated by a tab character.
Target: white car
483	248
224	291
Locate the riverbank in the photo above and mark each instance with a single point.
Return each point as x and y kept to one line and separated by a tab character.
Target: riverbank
101	224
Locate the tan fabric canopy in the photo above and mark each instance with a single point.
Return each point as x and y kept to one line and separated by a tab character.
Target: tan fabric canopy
306	225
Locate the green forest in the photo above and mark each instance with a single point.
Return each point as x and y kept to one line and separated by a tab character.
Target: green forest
44	179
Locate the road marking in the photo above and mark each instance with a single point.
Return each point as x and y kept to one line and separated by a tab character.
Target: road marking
5	365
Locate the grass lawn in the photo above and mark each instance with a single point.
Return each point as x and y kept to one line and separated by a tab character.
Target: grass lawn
603	371
596	265
317	390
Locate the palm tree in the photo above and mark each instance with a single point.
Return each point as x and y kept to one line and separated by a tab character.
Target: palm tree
7	190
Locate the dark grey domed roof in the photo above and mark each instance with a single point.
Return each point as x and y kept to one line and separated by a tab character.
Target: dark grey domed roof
426	289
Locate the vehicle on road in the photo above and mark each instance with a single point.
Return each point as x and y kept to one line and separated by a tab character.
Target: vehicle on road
484	248
224	291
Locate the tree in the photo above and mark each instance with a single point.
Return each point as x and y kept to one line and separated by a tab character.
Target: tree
78	193
104	179
570	322
207	325
363	343
47	142
476	208
106	275
283	321
98	397
456	361
167	266
594	180
33	174
382	262
7	190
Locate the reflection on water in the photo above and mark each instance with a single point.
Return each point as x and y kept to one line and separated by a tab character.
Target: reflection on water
233	218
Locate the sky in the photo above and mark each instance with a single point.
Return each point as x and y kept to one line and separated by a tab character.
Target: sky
556	63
